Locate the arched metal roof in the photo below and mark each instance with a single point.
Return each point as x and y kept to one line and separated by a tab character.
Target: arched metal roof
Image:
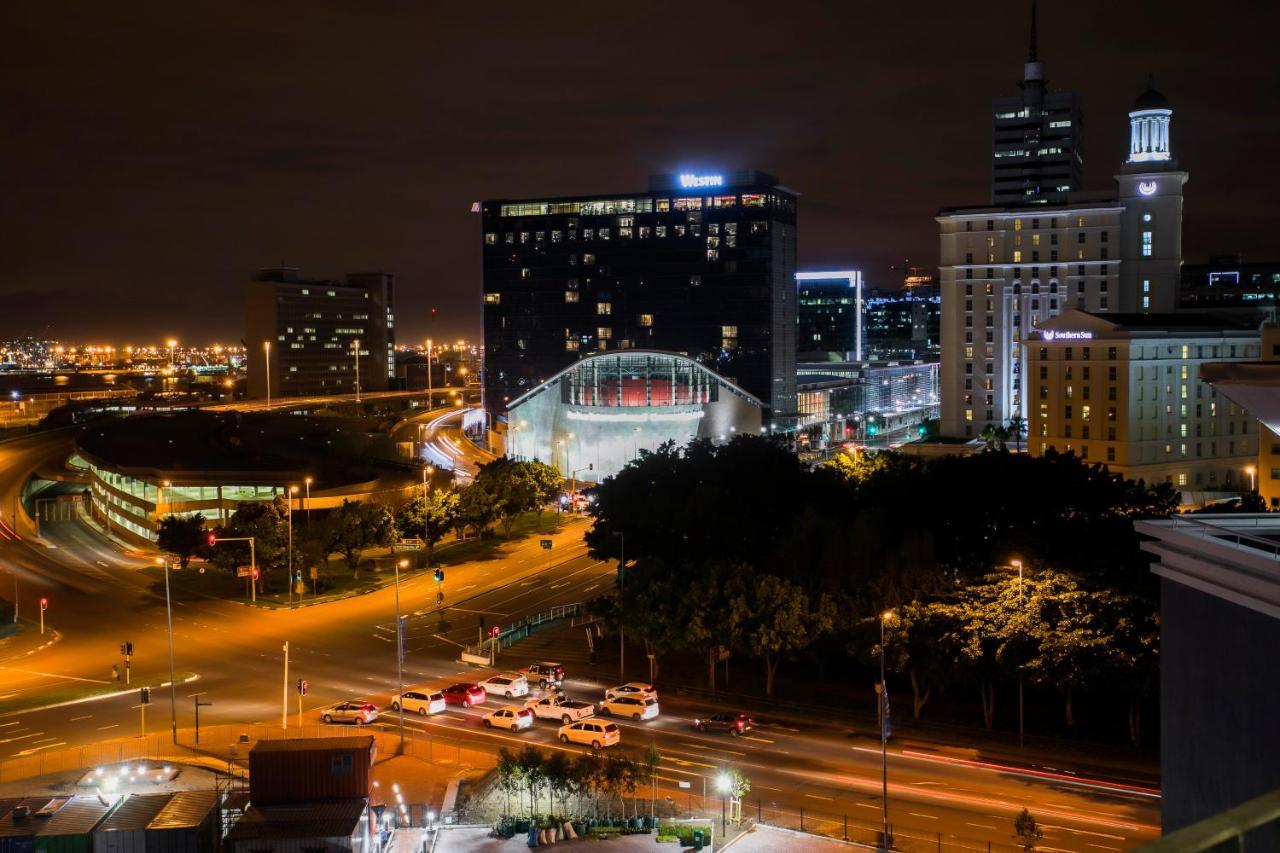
725	383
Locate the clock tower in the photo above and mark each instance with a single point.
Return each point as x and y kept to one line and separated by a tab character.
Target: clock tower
1150	191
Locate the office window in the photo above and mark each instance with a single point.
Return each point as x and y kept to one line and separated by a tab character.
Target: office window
492	298
646	320
570	296
1146	244
604	333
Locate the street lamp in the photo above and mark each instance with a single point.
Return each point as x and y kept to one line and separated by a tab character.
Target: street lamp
1251	471
306	500
430	389
723	784
1017	564
266	349
885	618
622	634
427	473
293	490
172	346
168	606
401	564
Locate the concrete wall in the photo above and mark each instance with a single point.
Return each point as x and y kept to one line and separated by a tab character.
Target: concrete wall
1219	708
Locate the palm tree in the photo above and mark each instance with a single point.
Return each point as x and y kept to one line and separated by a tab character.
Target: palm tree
994	436
1017	429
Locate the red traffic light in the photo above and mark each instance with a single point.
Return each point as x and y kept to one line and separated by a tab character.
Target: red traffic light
255	574
44	604
213	539
494	631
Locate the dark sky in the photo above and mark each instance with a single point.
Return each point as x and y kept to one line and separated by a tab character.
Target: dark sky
153	155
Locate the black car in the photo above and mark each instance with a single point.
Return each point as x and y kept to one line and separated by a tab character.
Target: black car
734	724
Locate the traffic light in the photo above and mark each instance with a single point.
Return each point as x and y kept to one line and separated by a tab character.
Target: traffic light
44	604
144	696
495	631
126	648
439	575
303	687
213	539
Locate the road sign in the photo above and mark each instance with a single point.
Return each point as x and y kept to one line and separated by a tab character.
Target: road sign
684	784
545	543
315	572
243	572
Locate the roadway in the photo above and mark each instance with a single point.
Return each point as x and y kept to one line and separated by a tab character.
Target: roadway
346	650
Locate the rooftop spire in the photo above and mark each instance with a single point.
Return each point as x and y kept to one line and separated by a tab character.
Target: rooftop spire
1031	53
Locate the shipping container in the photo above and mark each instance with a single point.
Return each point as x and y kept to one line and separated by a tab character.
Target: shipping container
332	826
185	825
310	770
18	827
70	829
125	831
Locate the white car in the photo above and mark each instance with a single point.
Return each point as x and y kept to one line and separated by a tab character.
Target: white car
596	734
508	684
515	719
419	702
636	707
560	707
632	688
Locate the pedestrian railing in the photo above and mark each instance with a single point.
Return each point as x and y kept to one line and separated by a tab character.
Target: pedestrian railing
519	630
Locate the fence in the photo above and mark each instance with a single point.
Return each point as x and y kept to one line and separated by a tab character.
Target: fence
519	631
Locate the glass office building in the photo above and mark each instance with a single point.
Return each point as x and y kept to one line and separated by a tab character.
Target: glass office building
701	265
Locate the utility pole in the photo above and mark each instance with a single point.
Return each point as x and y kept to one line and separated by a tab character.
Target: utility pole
284	705
882	696
173	687
144	699
400	654
266	347
430	389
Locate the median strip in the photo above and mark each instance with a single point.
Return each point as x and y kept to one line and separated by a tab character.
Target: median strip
81	695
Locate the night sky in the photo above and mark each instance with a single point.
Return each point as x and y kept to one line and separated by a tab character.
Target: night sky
154	155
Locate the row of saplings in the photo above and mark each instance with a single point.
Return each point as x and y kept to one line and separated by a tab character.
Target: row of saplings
601	791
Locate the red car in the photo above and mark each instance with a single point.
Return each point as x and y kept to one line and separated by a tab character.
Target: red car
734	724
464	694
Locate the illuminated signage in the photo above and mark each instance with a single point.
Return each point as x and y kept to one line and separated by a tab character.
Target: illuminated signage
1051	335
1147	187
689	181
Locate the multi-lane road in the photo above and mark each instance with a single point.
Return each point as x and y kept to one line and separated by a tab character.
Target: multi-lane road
346	650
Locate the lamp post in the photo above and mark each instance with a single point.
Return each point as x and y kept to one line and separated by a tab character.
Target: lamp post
1017	564
430	389
306	500
723	784
168	607
401	564
428	472
1251	471
885	618
293	490
266	349
622	634
357	348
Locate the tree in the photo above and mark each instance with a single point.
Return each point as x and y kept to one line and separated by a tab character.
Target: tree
916	645
181	536
558	772
547	484
995	437
530	763
356	526
779	619
266	523
1026	831
651	761
1016	429
430	518
509	774
476	508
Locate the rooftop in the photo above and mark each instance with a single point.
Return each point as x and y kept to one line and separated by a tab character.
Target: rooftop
336	819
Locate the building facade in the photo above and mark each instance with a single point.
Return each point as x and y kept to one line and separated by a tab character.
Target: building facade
701	265
1006	270
903	324
1125	390
592	418
1037	154
1230	281
305	337
829	309
878	402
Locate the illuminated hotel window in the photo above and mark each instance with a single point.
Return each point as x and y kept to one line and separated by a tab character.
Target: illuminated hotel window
604	309
571	296
646	320
571	345
604	333
1017	256
1146	244
492	298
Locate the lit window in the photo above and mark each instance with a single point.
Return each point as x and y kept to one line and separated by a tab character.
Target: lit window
604	309
571	296
646	320
1017	256
1182	479
571	345
604	333
1146	244
490	239
492	298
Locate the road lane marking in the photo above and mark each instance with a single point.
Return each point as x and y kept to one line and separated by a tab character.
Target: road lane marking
20	737
559	585
35	749
757	739
14	723
112	726
920	814
819	797
589	588
867	806
711	748
981	825
1103	847
1085	832
85	717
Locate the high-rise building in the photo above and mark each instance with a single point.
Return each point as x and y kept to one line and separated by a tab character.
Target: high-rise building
829	307
1037	139
903	323
1126	390
306	333
701	265
1004	270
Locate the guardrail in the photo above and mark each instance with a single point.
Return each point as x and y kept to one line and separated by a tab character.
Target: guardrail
1200	527
484	652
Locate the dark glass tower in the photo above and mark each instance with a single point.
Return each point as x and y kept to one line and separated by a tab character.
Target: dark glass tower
1037	137
702	265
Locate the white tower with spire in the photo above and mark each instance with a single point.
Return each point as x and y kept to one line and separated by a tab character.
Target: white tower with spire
1150	187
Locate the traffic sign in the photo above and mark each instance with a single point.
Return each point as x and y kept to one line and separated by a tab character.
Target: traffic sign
243	572
545	543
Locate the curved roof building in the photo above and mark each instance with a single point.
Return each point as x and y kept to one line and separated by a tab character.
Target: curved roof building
596	415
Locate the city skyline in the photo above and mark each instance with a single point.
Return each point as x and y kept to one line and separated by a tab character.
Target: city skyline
145	198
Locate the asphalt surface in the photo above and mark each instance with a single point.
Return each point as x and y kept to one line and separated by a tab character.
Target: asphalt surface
346	650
